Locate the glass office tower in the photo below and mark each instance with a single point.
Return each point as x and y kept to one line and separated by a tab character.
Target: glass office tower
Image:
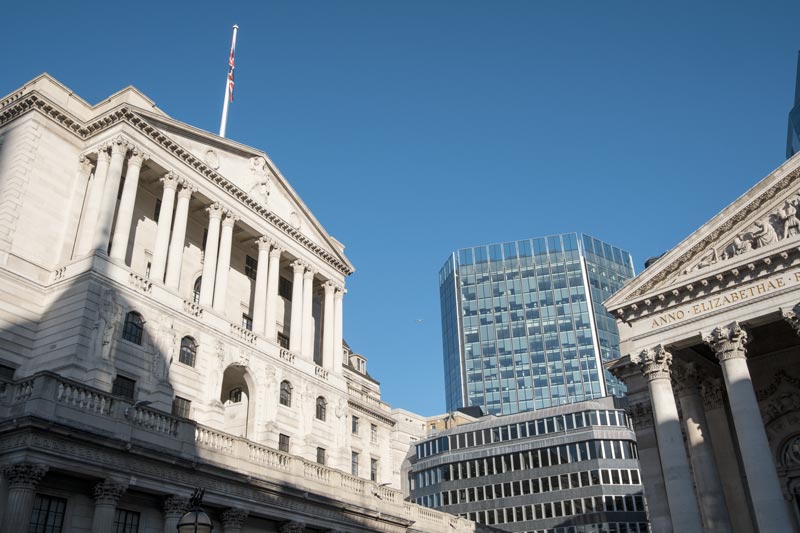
523	326
793	137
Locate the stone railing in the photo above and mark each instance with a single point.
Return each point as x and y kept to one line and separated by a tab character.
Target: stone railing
96	413
243	334
321	372
286	355
140	283
191	308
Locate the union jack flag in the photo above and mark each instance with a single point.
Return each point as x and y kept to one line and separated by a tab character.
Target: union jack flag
230	71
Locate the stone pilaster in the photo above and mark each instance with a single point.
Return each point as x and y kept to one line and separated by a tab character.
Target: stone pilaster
122	228
307	344
106	495
224	262
161	246
22	479
210	255
94	200
178	240
338	353
270	320
260	289
655	366
174	508
296	321
729	345
328	326
233	520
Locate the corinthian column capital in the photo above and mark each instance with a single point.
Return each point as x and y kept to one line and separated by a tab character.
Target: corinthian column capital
329	287
214	210
108	492
170	180
233	518
119	145
176	505
292	527
792	316
85	164
187	189
102	153
24	474
298	266
230	219
264	243
654	363
137	158
727	342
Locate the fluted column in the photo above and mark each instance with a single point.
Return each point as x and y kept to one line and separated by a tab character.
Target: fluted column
122	229
210	255
119	148
233	520
94	199
106	495
733	482
224	262
273	276
307	345
698	437
296	324
338	353
328	326
22	480
770	509
174	508
655	366
170	182
260	290
177	243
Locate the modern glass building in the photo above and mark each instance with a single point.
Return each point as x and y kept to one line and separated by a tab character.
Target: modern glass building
793	137
523	325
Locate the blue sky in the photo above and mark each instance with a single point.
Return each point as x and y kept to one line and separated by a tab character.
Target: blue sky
415	128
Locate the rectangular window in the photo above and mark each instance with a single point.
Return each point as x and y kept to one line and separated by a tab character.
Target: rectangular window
250	267
373	433
124	387
157	211
126	521
373	470
283	443
6	372
47	515
354	425
285	288
247	322
283	341
321	456
354	463
181	407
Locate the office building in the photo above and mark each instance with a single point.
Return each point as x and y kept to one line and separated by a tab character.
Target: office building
523	326
566	469
171	318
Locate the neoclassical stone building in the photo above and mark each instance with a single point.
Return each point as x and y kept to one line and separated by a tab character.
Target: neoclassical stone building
713	370
171	318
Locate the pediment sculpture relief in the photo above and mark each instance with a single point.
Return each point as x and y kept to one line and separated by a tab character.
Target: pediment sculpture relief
260	180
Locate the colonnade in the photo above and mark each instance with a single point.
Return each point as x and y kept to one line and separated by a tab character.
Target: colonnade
23	479
711	453
95	234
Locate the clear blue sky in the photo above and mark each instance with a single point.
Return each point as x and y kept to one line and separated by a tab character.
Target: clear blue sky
415	128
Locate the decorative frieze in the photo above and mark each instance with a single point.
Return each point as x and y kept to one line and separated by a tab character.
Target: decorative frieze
654	363
727	342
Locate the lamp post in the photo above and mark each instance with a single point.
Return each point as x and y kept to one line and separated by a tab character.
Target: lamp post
195	520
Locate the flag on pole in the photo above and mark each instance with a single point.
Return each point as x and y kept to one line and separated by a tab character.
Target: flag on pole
230	70
228	85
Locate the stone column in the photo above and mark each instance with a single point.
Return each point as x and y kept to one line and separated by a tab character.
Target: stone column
224	263
119	148
292	527
233	520
273	278
106	496
161	246
22	480
122	229
174	508
655	366
698	440
296	324
177	243
733	483
210	255
307	344
328	326
260	290
770	509
338	352
94	199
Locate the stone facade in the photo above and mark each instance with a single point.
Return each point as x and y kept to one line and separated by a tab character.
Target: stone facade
171	318
710	330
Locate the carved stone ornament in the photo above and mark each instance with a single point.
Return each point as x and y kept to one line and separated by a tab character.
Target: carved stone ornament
24	474
294	220
641	415
792	316
211	159
108	316
261	180
686	379
654	363
292	527
713	392
233	518
108	492
727	342
176	505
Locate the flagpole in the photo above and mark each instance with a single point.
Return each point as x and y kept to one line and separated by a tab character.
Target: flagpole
224	122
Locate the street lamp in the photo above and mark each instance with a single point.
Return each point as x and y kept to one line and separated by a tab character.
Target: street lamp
195	520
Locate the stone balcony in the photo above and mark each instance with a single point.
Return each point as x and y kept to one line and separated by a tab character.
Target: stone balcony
71	406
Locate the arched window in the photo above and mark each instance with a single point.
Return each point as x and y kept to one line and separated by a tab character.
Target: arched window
322	406
286	393
235	395
133	328
196	290
188	353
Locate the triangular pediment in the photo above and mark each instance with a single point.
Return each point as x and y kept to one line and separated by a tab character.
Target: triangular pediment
761	222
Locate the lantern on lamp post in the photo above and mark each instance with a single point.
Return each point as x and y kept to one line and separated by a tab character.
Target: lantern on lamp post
196	520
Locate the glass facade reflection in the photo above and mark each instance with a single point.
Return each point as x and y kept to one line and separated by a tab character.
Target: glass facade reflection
523	326
793	137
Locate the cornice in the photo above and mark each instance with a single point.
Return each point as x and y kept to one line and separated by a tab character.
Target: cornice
16	106
371	412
